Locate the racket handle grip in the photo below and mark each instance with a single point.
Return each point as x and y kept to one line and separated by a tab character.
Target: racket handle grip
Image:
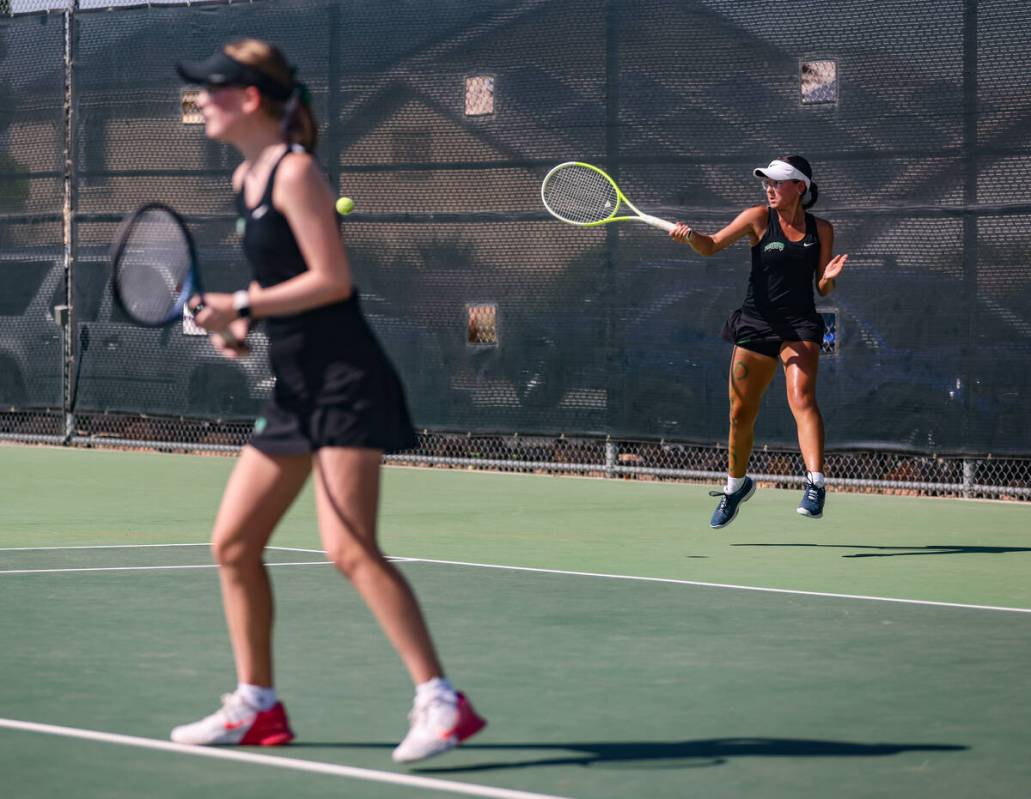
654	221
226	333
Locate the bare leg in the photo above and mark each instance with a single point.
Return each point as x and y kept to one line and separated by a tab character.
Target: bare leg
750	375
801	360
258	493
347	498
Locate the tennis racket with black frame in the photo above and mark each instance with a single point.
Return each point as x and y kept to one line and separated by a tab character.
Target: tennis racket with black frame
583	195
154	268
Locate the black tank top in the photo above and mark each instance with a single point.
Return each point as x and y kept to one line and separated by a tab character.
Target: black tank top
315	350
268	241
780	286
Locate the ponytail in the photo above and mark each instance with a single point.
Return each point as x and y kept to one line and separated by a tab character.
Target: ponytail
298	125
810	197
803	166
297	120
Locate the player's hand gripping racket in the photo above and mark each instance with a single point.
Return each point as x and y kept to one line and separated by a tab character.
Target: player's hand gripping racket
584	195
155	270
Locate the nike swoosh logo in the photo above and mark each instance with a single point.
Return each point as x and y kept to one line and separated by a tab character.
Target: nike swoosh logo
232	725
809	244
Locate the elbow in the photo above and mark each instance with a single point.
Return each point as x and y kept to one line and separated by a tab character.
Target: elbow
336	288
709	247
340	291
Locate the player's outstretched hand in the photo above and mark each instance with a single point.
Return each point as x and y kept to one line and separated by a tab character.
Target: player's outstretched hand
680	233
834	267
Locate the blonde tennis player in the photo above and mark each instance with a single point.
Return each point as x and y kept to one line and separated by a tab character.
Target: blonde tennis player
337	407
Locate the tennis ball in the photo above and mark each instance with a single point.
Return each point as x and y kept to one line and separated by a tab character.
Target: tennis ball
344	206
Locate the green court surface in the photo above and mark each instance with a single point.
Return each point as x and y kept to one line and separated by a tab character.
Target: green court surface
618	646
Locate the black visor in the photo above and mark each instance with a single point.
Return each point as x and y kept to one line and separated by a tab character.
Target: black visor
221	70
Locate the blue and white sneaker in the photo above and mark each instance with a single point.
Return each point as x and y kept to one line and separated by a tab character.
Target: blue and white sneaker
812	500
730	503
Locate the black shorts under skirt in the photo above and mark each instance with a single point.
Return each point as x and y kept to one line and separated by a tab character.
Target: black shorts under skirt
765	336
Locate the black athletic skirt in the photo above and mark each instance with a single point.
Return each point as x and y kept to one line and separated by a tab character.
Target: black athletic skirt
296	431
766	334
374	417
335	387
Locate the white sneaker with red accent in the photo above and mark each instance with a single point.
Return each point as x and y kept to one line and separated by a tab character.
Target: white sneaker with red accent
236	722
437	726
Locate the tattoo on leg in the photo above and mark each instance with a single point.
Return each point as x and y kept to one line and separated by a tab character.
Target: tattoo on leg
740	371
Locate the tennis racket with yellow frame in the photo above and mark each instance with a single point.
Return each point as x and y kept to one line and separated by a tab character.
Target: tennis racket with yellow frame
583	195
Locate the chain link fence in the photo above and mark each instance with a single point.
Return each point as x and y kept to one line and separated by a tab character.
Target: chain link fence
594	353
882	472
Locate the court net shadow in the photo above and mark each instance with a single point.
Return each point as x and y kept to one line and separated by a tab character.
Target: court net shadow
663	754
929	549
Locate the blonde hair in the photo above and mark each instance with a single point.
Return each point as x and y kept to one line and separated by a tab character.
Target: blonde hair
295	114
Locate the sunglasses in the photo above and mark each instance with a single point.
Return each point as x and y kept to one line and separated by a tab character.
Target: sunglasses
775	184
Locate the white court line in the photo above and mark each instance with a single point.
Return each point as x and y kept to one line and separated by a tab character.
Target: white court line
105	546
141	568
148	568
668	580
352	772
715	585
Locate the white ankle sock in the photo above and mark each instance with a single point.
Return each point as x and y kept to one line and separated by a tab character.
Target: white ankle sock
437	687
257	696
816	478
734	483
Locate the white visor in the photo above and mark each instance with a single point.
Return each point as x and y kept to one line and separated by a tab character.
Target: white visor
781	170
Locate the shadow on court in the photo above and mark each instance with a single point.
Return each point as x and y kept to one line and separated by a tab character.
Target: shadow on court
930	549
662	754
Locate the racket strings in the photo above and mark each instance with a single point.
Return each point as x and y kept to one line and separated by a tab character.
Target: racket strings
153	270
580	195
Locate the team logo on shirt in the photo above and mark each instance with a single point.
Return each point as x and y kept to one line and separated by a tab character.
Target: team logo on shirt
778	246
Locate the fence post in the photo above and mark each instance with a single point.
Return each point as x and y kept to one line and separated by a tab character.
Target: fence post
611	456
968	477
70	205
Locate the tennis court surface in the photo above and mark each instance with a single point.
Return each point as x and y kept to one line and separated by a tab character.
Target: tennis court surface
617	645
